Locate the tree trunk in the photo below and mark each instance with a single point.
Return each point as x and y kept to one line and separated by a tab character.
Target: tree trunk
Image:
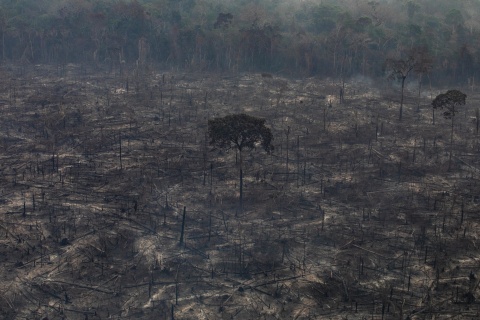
183	226
451	146
401	98
3	45
477	118
287	132
419	91
241	190
120	155
241	182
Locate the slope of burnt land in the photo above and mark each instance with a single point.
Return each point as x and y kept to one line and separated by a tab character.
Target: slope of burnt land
354	214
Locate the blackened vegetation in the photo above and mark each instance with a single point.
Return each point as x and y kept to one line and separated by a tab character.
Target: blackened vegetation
352	215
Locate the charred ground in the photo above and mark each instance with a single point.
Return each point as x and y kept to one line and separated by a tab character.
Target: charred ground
353	215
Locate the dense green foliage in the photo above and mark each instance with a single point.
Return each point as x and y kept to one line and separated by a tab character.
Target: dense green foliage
327	38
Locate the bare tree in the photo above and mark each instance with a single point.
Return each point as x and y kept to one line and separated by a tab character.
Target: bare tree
423	65
400	69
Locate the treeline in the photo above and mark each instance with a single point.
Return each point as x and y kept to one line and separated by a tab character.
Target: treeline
335	38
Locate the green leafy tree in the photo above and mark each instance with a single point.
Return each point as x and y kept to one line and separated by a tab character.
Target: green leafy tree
240	132
449	102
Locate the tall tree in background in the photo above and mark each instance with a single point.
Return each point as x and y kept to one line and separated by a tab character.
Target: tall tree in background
399	69
423	65
3	27
449	102
240	132
417	60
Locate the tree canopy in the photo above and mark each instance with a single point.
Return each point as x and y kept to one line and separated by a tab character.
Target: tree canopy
295	37
449	101
239	131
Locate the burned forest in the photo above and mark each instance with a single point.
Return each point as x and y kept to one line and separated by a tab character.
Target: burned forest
115	203
239	160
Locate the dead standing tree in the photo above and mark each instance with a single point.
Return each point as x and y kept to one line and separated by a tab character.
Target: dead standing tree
423	65
240	131
449	102
399	69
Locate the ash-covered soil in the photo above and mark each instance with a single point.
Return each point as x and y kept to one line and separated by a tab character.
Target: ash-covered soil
355	215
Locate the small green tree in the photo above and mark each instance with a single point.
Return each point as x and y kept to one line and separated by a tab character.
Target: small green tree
240	132
449	102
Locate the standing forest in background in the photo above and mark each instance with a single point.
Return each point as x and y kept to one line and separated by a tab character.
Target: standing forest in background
327	38
130	187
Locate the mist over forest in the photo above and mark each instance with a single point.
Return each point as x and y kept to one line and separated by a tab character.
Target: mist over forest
239	159
302	37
